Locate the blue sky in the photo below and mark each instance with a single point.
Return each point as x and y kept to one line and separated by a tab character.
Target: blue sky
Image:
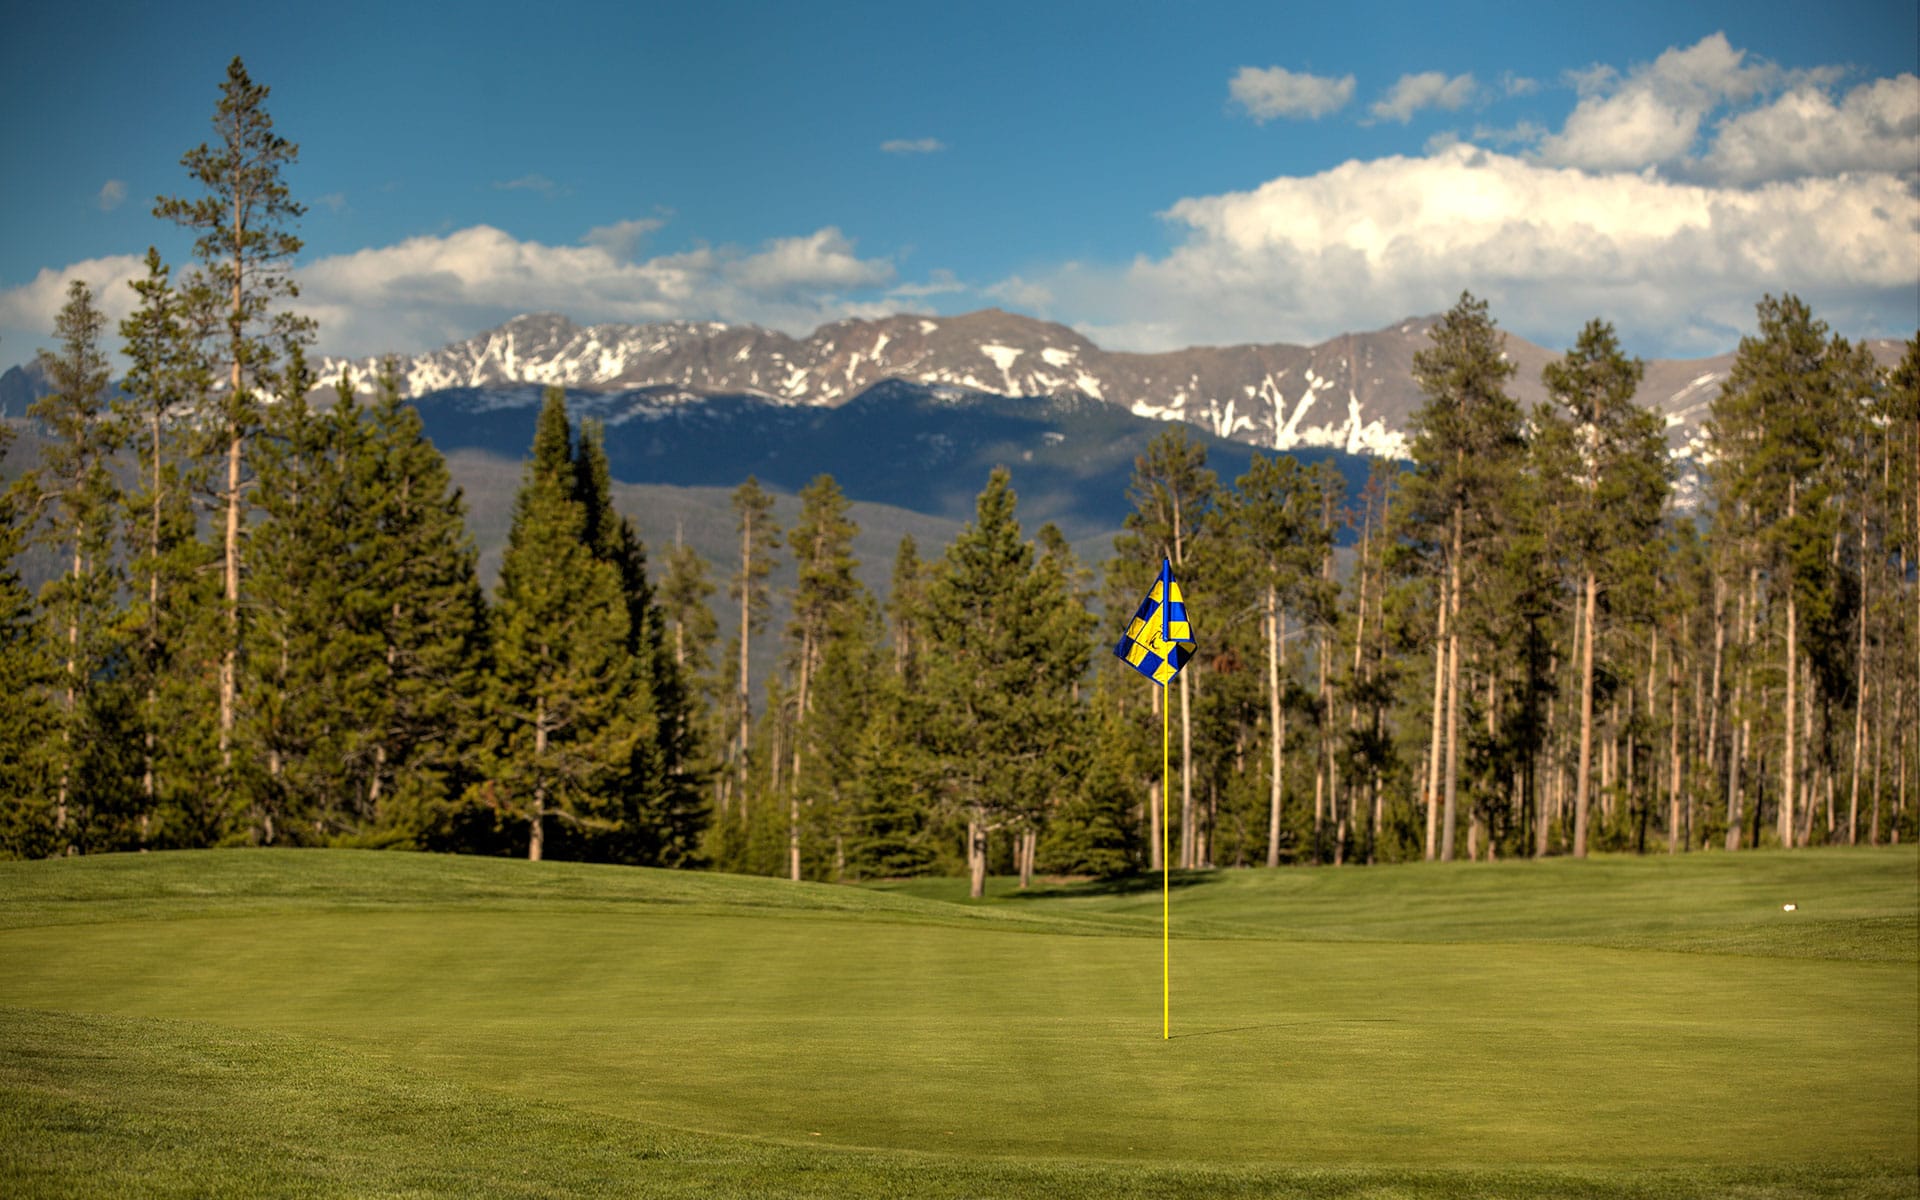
1154	175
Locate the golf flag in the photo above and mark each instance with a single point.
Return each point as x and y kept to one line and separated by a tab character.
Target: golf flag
1159	641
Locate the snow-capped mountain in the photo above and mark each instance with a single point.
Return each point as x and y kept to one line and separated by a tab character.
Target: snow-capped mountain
1353	393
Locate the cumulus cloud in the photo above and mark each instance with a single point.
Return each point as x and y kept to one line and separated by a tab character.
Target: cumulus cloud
27	310
925	145
1654	115
1875	127
426	291
1272	92
1678	264
113	193
622	238
423	292
1429	89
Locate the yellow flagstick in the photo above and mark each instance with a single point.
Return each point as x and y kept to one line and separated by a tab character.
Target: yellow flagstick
1166	854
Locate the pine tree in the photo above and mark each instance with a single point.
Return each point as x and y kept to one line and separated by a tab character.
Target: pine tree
1465	449
430	626
561	671
999	691
27	714
1271	517
657	813
167	563
1614	448
823	595
76	493
1171	491
759	537
245	247
1774	427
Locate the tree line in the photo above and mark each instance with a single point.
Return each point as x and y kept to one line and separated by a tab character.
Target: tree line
267	625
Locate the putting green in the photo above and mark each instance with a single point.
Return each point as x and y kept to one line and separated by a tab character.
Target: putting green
1616	1017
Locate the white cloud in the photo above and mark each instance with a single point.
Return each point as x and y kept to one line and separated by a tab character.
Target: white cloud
925	145
426	291
27	310
1272	92
113	193
1653	115
1876	127
423	292
1429	89
332	201
1677	264
622	238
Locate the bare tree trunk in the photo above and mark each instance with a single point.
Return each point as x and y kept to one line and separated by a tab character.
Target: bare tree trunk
1789	777
1276	724
1581	796
1673	743
1450	818
1187	823
1742	737
1859	695
976	859
1439	716
536	841
1156	800
745	697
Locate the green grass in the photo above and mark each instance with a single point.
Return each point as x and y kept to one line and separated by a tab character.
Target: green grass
340	1023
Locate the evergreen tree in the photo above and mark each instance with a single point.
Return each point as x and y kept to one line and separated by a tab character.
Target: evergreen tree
1616	451
430	626
1774	427
824	594
999	691
168	566
27	715
562	672
1465	450
759	537
75	494
1171	491
246	248
656	814
1271	517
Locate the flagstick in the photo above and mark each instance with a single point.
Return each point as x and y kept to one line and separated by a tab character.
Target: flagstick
1166	854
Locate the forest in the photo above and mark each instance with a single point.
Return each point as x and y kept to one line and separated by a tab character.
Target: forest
267	626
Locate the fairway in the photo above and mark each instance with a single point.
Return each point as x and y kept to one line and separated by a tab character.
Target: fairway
355	1023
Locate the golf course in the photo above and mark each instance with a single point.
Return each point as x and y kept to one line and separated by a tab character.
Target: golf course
356	1023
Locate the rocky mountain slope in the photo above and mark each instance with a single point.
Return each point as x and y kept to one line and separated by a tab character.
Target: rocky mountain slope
1353	393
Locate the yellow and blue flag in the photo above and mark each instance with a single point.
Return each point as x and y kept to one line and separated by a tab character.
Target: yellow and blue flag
1159	641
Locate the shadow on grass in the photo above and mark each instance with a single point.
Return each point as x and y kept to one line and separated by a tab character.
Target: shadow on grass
1200	1033
1122	885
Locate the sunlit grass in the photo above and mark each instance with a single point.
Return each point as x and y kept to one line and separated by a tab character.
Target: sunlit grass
337	1023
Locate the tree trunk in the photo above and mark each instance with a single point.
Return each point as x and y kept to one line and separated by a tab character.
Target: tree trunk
1156	793
1187	840
976	859
1859	696
1673	744
1581	796
1276	725
745	697
1439	717
1789	777
1450	821
536	841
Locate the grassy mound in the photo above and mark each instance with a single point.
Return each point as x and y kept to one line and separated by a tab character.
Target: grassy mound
340	1023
